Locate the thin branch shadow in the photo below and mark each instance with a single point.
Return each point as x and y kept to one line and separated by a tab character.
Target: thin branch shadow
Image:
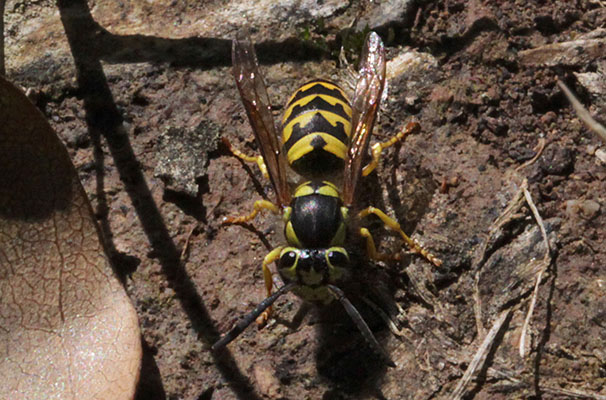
195	52
104	120
2	67
545	335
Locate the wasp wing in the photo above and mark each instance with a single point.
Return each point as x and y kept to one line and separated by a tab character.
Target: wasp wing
256	102
365	103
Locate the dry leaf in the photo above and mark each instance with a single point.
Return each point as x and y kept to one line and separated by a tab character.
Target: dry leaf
67	328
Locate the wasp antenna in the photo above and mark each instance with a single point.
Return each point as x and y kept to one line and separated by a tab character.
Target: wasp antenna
250	317
361	324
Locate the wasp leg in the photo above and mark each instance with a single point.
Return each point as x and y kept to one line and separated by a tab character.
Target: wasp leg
259	206
267	277
395	226
258	159
378	148
371	249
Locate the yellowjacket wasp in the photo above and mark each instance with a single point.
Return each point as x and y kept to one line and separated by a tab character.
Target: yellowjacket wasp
324	139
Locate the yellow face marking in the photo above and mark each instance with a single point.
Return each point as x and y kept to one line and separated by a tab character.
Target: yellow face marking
307	117
333	101
336	274
303	146
311	277
320	294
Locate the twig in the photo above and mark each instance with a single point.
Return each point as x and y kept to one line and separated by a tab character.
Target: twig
571	393
514	205
539	149
537	216
480	355
504	373
185	251
545	263
578	394
583	114
2	67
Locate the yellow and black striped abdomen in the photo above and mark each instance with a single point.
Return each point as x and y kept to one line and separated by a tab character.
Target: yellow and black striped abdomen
316	129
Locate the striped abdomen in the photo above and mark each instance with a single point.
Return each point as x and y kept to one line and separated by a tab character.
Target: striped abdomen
316	129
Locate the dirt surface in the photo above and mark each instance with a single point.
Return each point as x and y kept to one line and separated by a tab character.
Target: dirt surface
121	81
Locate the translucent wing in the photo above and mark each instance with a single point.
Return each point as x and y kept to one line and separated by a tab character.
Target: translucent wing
256	102
365	104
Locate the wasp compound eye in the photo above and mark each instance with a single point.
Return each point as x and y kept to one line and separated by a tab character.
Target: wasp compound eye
337	258
288	259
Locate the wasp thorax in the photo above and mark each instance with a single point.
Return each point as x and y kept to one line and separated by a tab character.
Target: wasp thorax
317	216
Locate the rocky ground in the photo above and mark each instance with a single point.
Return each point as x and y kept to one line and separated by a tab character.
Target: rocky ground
140	92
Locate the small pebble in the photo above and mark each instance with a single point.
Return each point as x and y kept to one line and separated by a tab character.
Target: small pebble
582	208
601	154
548	117
266	379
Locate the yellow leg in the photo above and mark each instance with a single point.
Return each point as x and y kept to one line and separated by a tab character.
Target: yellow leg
378	148
259	206
371	249
267	277
395	226
258	159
